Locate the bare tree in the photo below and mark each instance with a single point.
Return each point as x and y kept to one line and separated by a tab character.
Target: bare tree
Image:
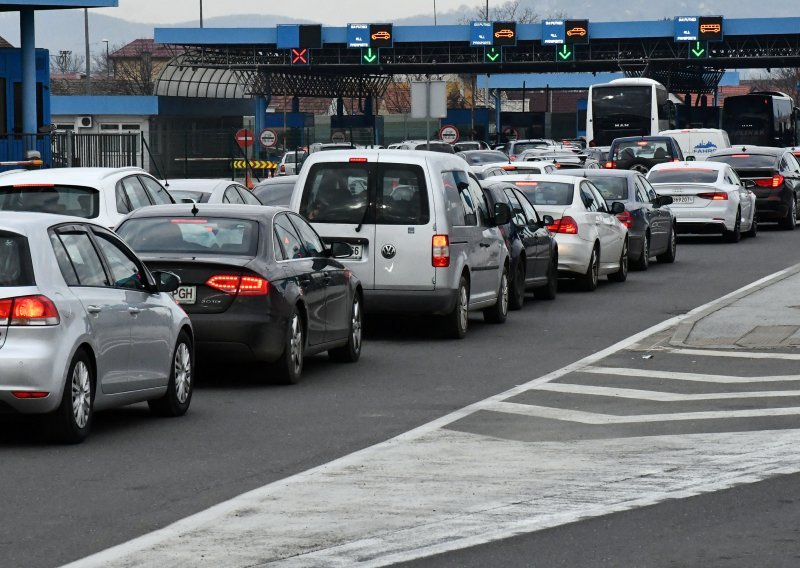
136	72
510	11
785	80
67	62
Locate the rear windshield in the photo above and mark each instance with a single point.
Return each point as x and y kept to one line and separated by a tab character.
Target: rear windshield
275	194
611	188
190	196
647	149
193	235
59	199
683	175
520	147
546	192
487	157
15	261
436	147
738	161
291	158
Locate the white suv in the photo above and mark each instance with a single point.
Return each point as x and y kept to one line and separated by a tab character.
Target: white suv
104	195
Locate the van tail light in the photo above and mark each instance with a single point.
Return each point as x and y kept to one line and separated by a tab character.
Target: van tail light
440	251
565	226
714	196
625	218
610	165
774	182
28	310
239	285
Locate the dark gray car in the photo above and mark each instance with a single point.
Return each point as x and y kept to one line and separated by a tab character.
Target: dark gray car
651	225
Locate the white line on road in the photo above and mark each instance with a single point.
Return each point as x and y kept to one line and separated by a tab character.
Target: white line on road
695	377
736	354
657	396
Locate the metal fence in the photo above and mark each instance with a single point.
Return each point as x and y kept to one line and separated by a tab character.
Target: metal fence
13	147
96	150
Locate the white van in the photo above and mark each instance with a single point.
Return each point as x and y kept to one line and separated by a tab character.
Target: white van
424	240
699	143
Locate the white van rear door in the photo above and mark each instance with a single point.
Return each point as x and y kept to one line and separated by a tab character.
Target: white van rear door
404	216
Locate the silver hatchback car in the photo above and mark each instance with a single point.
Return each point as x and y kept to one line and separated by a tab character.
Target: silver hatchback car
84	326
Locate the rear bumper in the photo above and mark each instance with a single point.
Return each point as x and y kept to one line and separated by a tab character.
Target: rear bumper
709	219
700	226
239	337
431	302
573	254
772	209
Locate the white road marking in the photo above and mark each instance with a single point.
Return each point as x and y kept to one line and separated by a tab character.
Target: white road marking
583	417
735	354
695	377
657	396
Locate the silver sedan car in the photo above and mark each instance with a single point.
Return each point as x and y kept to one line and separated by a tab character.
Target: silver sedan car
84	326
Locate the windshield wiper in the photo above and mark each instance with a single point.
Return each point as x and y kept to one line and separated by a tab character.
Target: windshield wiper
364	217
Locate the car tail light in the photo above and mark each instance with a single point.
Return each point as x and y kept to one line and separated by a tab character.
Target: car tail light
565	226
239	285
283	168
30	394
714	196
358	160
440	251
774	182
610	165
28	310
625	218
21	185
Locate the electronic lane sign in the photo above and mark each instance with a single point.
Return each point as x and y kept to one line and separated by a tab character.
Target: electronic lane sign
576	31
553	32
292	36
358	35
381	35
698	50
687	28
710	28
481	34
504	33
565	53
492	54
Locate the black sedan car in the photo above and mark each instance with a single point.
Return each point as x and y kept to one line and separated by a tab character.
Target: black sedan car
776	174
257	282
640	153
533	250
276	191
651	225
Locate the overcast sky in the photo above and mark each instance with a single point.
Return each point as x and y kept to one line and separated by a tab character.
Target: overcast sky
331	12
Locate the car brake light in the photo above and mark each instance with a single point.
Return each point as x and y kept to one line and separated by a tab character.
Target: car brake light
239	285
440	251
20	185
740	155
28	310
625	218
714	196
610	165
565	226
777	181
358	160
512	158
30	394
283	168
189	221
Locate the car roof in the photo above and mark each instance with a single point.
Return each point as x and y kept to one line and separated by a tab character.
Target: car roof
65	176
704	165
277	181
744	149
206	210
600	173
540	177
200	185
440	159
25	223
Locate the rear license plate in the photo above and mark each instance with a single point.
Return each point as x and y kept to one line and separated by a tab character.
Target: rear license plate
185	295
356	253
683	199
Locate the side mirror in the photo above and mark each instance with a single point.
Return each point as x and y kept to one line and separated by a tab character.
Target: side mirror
617	207
690	158
502	213
662	200
548	220
748	184
166	281
341	250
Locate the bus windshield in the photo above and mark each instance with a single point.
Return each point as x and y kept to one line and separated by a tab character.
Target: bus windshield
621	111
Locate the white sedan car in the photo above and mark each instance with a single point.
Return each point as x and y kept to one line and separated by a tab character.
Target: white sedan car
531	167
707	198
211	191
591	240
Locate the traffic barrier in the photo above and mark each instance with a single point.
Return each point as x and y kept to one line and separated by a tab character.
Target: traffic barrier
254	165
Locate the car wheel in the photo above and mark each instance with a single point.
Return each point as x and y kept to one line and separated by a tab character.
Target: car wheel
621	275
176	400
351	351
290	366
789	222
456	322
517	288
753	231
588	281
499	312
639	166
549	290
643	262
72	420
669	255
735	235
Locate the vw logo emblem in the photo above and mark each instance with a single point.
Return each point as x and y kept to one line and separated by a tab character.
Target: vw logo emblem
388	251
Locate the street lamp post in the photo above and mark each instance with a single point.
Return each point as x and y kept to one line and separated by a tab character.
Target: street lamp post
201	13
434	12
108	61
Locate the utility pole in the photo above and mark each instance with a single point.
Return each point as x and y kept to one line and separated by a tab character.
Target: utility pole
201	13
108	61
487	10
434	12
88	53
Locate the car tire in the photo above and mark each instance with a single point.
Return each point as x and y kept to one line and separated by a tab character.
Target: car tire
621	275
176	400
351	351
639	166
789	222
499	312
456	323
643	262
752	232
517	288
735	235
669	255
549	290
588	281
289	367
72	420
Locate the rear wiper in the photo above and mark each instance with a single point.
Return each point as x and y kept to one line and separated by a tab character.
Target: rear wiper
364	217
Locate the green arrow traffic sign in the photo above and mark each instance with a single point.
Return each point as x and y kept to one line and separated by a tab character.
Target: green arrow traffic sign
369	56
698	51
491	54
565	54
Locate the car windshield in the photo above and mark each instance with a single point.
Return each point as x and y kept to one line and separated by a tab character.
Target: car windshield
744	160
15	261
275	194
648	149
185	196
50	198
683	175
546	192
484	157
611	188
191	235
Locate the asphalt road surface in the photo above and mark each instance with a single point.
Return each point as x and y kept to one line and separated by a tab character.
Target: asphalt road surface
138	473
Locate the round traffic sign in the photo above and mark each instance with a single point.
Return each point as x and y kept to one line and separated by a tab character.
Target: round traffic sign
338	137
244	138
449	134
268	138
511	133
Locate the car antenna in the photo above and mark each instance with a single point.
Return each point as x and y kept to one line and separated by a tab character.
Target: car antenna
195	210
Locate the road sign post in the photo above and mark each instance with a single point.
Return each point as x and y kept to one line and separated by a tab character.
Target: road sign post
428	100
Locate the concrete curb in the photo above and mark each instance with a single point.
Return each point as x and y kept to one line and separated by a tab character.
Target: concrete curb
684	328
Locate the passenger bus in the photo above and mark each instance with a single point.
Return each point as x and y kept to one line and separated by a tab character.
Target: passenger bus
628	107
763	118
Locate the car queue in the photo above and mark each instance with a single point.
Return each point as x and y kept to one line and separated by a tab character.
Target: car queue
116	318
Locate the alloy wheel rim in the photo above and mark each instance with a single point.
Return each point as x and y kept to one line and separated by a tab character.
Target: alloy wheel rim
624	260
297	344
595	267
463	311
81	395
504	293
183	373
646	252
356	325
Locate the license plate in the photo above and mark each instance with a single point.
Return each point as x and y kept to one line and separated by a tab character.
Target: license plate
185	295
356	253
683	199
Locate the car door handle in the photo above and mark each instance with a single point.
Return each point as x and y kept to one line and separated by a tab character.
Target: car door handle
485	245
326	279
94	309
134	311
304	281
